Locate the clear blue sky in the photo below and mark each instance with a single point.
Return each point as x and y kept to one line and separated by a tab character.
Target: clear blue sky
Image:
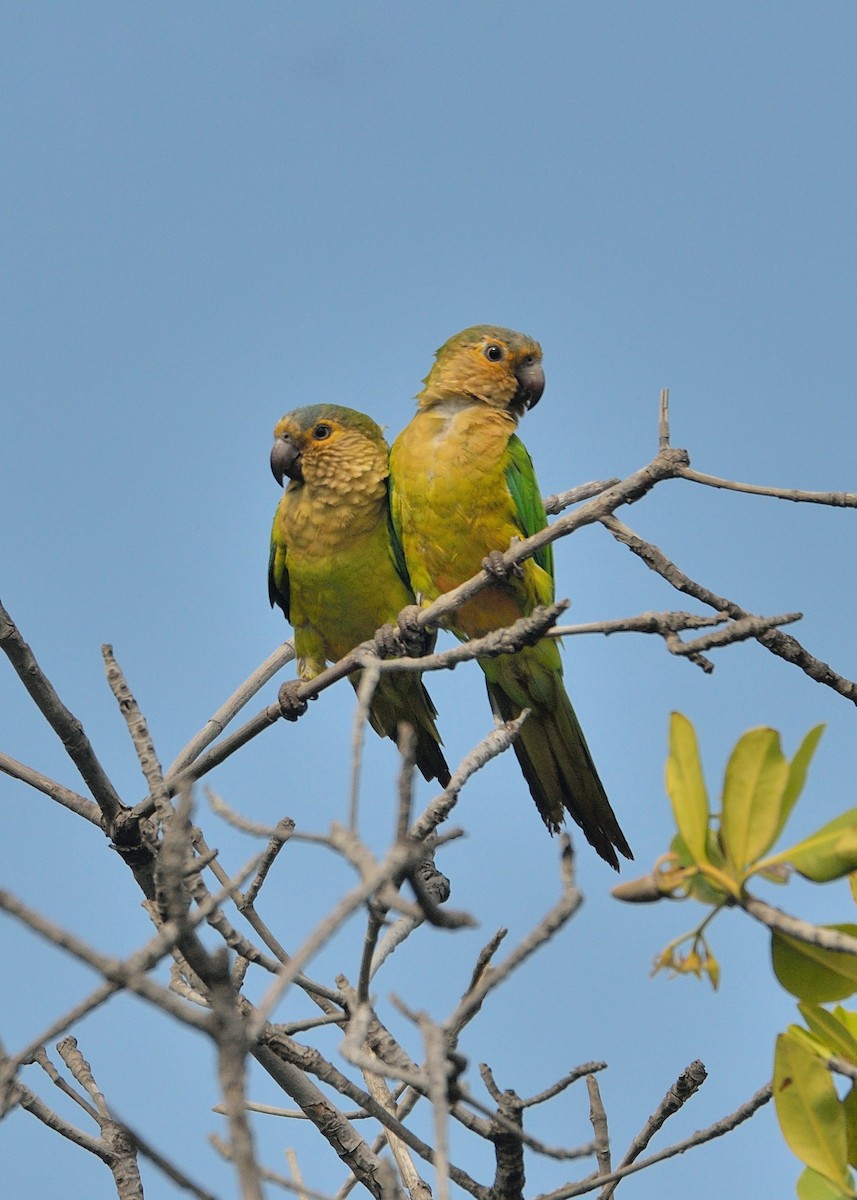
213	213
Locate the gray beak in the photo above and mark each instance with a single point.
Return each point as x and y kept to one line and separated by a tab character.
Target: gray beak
531	384
285	459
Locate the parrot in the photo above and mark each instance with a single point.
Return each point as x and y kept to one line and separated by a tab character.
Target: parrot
462	488
336	568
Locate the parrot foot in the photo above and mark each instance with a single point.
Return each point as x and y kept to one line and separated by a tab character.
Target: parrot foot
387	643
415	639
291	705
495	564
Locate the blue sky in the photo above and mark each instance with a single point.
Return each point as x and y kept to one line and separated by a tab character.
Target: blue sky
214	213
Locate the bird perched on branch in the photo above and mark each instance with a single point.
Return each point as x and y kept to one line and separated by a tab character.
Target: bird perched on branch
336	568
463	486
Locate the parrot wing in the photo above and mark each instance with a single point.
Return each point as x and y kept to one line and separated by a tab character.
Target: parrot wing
524	489
396	548
279	591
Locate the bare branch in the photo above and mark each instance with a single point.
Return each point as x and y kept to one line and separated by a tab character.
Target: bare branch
292	1185
562	911
584	491
781	644
664	419
331	1123
229	709
724	1125
687	1085
835	499
65	796
232	1046
494	743
310	1060
120	1149
139	730
67	727
794	927
279	833
581	1072
598	1120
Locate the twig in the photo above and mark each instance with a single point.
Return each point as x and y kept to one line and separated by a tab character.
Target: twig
688	1083
494	743
326	999
583	491
835	499
795	927
562	911
664	419
138	728
330	1122
279	833
65	796
216	724
129	974
232	1046
369	677
526	631
120	1150
290	1185
724	1125
581	1072
842	1067
598	1120
781	644
311	1061
67	727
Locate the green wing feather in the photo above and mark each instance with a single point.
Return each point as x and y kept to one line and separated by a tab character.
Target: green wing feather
279	591
395	540
522	484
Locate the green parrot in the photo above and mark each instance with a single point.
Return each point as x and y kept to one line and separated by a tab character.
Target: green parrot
463	486
336	568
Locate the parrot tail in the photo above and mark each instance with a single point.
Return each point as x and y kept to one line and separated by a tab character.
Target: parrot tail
403	697
558	767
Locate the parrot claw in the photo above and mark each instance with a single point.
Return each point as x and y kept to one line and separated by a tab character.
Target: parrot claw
387	643
415	639
495	564
291	705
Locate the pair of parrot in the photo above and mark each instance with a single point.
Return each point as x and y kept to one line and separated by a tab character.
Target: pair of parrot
360	531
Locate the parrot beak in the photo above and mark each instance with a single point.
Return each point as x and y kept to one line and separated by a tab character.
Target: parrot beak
286	459
531	384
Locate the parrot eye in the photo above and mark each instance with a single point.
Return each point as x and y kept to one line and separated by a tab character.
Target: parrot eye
321	432
493	352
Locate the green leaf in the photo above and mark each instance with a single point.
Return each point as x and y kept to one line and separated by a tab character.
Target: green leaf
756	777
812	973
812	1186
686	786
698	887
827	854
849	1105
831	1031
847	1018
797	776
810	1113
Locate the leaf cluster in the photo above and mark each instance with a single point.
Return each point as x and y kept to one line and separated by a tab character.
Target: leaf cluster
712	858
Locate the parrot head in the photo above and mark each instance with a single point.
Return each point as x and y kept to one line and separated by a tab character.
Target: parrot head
328	446
496	366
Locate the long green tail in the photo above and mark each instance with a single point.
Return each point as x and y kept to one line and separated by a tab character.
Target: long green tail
402	697
552	750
